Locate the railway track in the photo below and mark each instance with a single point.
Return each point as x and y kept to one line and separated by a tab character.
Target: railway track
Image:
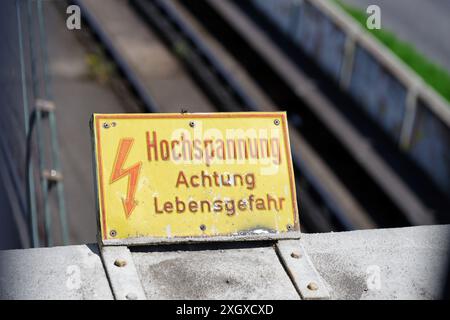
390	185
342	182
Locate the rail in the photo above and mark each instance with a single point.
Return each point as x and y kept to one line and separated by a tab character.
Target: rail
410	112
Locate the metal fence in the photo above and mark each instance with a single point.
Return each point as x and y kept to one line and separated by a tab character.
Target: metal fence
412	114
30	178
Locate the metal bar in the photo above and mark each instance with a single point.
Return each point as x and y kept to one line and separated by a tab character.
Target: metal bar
301	270
31	193
409	118
37	121
122	274
53	128
348	61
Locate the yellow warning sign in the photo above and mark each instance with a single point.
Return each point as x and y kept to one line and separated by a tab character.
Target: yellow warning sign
193	175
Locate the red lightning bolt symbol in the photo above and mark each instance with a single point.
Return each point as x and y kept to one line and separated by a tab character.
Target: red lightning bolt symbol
133	172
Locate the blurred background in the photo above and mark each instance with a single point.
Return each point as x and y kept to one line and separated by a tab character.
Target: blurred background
366	88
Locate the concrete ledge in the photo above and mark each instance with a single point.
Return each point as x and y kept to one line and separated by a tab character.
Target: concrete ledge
68	273
411	262
404	263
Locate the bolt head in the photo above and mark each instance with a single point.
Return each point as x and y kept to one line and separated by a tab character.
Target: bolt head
192	124
312	286
106	125
113	233
276	122
202	227
120	263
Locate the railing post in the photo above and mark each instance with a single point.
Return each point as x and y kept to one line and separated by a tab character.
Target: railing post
409	118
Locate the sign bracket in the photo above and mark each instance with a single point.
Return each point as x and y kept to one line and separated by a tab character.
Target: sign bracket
122	273
298	265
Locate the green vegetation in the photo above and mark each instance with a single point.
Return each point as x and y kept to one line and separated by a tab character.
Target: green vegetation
434	75
100	69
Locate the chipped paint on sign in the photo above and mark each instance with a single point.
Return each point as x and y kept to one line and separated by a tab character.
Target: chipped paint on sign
193	175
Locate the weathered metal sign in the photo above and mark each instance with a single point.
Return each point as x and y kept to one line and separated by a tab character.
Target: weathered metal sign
184	177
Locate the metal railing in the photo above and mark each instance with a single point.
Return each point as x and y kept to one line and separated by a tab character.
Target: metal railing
31	171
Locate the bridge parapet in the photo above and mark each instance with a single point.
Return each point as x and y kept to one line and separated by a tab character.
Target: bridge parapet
404	263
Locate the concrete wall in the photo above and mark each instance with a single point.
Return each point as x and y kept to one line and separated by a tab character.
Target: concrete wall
411	113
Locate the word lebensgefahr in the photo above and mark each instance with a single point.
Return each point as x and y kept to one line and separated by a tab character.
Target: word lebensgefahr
229	206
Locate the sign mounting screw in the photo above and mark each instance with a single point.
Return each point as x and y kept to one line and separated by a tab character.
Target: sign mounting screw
192	124
106	125
113	233
202	227
276	122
